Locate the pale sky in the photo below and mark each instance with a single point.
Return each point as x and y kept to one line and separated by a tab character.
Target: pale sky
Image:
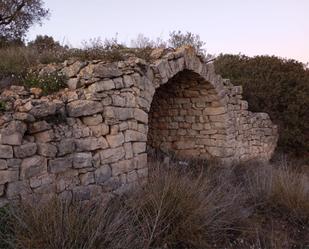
251	27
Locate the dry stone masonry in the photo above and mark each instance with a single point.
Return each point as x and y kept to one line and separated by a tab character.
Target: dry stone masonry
91	138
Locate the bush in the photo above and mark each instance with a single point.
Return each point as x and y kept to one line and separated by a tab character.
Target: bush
277	86
178	39
48	83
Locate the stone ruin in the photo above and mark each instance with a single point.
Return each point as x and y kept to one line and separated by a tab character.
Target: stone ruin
91	138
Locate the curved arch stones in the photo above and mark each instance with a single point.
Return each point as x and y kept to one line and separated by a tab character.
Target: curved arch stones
91	139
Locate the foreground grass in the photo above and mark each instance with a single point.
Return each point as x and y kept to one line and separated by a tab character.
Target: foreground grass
197	206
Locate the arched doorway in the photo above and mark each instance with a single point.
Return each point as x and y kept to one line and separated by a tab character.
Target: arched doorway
188	119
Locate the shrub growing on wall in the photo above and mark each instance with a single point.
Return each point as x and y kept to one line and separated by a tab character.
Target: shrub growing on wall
277	86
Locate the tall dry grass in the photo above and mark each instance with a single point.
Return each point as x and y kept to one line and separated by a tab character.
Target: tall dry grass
258	206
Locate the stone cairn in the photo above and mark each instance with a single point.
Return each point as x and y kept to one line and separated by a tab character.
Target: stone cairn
89	140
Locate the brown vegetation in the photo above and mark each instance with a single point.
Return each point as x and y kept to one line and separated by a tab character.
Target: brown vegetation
195	206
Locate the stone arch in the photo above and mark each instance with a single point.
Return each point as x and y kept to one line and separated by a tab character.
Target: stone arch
187	117
91	139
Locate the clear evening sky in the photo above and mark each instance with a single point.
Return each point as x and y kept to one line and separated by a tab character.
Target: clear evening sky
251	27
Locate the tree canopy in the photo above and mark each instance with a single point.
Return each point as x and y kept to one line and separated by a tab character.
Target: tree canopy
17	16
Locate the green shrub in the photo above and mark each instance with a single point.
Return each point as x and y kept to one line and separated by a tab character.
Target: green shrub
48	83
277	86
2	106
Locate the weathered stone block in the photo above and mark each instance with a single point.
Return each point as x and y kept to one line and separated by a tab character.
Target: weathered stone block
139	147
89	144
43	109
47	150
115	140
141	116
92	120
38	127
101	86
13	133
118	113
6	151
87	178
3	164
32	166
135	136
44	136
102	174
25	150
82	160
122	167
60	165
214	110
18	188
8	176
112	155
66	146
80	108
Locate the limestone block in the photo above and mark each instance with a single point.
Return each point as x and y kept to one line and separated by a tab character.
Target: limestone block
82	160
90	144
15	189
23	117
101	86
141	116
13	133
6	151
139	147
128	150
181	145
135	136
140	161
102	174
112	155
118	113
92	120
87	178
99	130
128	81
39	127
80	108
59	165
3	164
44	136
115	140
122	167
46	149
214	111
32	166
66	146
25	150
102	70
73	69
8	176
43	109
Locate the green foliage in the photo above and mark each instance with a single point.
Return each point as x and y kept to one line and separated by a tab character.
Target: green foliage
45	43
178	39
2	106
18	16
48	83
277	86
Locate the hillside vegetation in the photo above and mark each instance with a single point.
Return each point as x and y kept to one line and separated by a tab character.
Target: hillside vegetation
279	87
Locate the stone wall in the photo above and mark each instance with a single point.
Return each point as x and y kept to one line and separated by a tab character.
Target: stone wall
90	139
